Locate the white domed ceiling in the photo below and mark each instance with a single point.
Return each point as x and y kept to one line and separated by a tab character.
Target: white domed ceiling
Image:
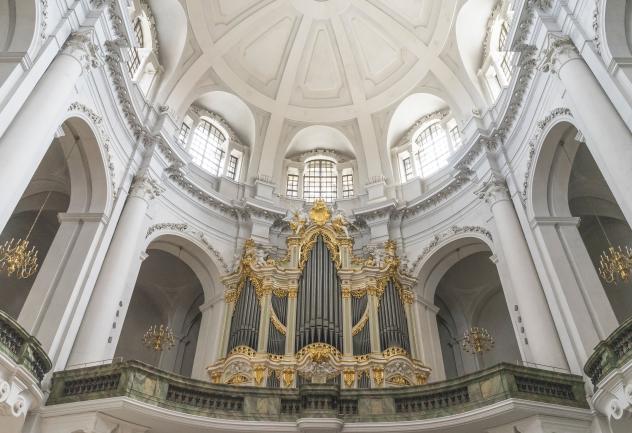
341	63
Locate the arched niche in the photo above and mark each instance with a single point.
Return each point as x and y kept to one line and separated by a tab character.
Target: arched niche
460	279
565	192
70	180
176	282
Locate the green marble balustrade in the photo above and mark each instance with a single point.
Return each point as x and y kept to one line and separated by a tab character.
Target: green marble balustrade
23	348
611	353
147	384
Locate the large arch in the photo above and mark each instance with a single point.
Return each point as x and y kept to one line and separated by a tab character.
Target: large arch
66	273
459	279
194	315
567	267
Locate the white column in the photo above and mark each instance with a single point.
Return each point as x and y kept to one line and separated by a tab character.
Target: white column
541	337
209	339
104	317
290	337
427	332
60	283
27	139
347	321
607	136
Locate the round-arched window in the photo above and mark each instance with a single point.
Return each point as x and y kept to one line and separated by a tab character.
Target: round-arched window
432	150
208	147
320	180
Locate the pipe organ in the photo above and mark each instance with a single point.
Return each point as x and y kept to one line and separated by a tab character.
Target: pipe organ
319	314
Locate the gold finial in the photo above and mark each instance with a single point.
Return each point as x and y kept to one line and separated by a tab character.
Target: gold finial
319	213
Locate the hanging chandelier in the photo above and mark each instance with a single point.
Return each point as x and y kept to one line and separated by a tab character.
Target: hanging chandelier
615	264
16	258
477	340
159	338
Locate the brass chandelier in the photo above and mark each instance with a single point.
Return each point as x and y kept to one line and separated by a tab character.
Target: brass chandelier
16	257
615	263
159	338
477	340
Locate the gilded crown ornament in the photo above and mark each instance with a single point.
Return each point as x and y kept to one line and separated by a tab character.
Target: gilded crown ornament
319	213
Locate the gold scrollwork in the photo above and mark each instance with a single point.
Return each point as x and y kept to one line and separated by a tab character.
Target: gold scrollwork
216	377
277	323
279	293
394	351
399	380
346	292
237	379
319	352
319	213
358	327
244	350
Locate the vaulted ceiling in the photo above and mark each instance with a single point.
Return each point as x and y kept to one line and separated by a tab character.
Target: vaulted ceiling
323	61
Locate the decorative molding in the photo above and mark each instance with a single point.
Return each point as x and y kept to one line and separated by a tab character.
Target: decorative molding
452	231
408	136
145	187
495	189
97	120
595	26
43	18
541	125
203	112
81	47
559	49
196	234
488	33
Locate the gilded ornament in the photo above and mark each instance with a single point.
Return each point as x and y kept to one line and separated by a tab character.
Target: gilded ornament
407	296
244	350
259	373
358	327
422	379
399	380
231	296
394	351
349	377
237	379
346	292
319	213
277	323
292	293
378	375
319	352
288	377
216	377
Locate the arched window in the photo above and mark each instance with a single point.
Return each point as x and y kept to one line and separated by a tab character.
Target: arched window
432	149
208	147
320	180
133	63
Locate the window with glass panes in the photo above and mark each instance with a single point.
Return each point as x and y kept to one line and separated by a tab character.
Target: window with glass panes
505	66
455	136
502	37
134	57
433	149
408	168
207	147
291	188
232	167
183	134
319	180
347	185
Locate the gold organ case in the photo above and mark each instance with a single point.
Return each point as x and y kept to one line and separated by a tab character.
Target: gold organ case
319	314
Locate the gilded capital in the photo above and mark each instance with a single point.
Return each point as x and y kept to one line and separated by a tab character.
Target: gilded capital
145	187
80	46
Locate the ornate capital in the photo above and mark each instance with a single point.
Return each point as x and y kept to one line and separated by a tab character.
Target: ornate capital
146	188
559	50
494	190
80	46
542	5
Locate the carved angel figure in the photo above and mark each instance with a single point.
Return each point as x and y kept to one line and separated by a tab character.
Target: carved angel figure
297	220
339	223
